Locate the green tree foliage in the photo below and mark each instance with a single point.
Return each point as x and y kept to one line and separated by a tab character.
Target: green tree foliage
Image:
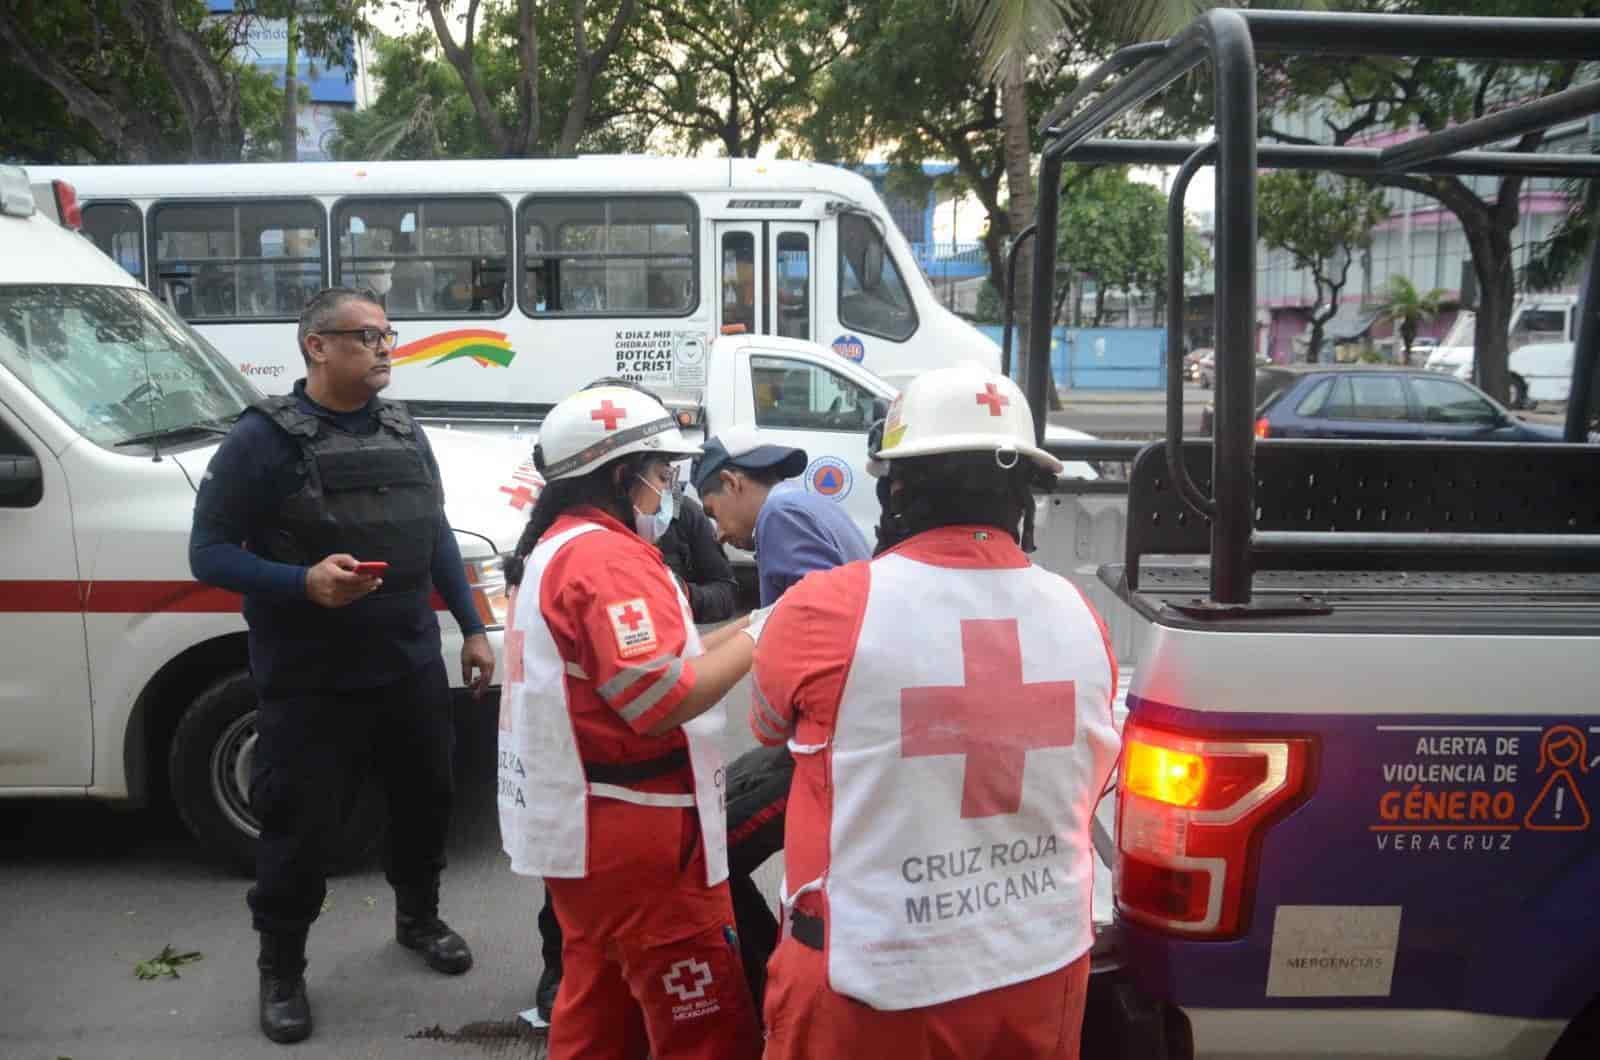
519	63
1322	221
1373	95
738	73
1115	230
423	109
146	80
1409	309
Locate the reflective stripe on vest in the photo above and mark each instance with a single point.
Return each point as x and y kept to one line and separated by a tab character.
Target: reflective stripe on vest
543	792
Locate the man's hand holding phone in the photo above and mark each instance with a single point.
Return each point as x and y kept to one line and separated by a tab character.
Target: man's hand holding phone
341	579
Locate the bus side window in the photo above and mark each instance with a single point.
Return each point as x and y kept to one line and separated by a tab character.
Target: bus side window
872	294
118	230
623	256
427	257
247	260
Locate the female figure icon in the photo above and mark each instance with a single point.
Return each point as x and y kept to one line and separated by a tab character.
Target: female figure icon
1559	806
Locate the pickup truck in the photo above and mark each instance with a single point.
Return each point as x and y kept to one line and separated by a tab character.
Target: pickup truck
1356	809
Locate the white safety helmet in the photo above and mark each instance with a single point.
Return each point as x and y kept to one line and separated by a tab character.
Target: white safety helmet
961	409
595	426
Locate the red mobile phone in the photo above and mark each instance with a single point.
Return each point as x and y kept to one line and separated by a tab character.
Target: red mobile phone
374	569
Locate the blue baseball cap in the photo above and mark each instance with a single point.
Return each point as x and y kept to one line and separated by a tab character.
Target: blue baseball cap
741	448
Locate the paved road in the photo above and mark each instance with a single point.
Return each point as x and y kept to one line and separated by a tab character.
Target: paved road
86	892
1126	414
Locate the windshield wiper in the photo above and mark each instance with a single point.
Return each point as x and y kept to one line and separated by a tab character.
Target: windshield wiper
171	432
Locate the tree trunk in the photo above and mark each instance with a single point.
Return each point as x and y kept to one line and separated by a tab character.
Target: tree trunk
461	57
289	150
587	66
1497	293
1314	351
1019	188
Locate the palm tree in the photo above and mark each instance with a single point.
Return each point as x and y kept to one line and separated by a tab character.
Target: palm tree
1409	309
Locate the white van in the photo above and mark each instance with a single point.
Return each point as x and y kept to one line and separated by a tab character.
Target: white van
1535	320
122	676
514	281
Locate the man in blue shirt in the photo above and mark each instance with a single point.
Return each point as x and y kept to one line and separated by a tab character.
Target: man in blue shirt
324	509
744	487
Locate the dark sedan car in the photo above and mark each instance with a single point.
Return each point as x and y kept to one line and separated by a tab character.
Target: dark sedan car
1369	401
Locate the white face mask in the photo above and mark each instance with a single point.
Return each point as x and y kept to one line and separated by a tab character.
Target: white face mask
652	526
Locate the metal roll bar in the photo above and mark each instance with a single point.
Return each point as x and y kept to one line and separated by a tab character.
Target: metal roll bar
1230	39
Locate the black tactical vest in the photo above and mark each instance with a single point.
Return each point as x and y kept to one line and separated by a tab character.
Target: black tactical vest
370	495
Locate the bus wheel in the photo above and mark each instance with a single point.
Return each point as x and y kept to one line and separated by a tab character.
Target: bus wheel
210	763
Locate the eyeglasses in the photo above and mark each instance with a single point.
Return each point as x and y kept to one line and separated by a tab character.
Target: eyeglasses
371	338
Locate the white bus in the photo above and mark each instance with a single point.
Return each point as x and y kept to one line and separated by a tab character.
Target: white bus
513	282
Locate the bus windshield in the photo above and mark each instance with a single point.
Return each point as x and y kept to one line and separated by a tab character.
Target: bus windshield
115	365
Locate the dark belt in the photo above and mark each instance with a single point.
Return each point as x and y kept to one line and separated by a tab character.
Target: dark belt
806	929
633	772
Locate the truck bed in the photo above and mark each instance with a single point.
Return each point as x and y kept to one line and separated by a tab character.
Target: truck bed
1373	601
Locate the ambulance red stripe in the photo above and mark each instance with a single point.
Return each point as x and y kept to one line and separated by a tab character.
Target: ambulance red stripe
57	596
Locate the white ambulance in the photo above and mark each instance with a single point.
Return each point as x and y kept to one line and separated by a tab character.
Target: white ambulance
120	676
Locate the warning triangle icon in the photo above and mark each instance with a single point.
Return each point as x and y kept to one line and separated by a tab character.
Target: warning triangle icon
829	479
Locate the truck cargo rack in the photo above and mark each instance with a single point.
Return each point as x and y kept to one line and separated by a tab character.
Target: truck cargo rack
1314	505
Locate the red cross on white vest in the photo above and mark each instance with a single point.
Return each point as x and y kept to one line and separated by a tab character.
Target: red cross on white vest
630	617
609	414
993	718
992	397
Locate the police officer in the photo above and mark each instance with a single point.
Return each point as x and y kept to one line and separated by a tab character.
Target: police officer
610	777
305	490
950	709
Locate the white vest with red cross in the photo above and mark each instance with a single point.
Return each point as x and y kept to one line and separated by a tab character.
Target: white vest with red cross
544	795
973	740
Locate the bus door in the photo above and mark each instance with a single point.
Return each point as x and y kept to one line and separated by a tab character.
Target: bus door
767	279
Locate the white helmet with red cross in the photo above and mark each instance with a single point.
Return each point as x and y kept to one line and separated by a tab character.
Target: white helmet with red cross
597	425
961	409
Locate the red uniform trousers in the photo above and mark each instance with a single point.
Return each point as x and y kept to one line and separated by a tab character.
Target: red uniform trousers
1039	1019
650	958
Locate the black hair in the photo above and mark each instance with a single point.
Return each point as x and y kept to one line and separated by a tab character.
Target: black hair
321	308
957	489
600	488
761	476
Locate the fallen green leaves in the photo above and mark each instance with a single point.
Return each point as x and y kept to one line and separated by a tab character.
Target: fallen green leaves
165	964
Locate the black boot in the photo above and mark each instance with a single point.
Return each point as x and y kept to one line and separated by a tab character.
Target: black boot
285	1010
417	927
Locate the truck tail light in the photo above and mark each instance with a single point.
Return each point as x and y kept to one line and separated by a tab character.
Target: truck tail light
1191	813
67	205
1263	428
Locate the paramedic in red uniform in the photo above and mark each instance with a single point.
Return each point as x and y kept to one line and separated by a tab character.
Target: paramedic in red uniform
939	865
610	773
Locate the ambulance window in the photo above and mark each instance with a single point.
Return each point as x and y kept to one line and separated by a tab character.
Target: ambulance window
872	294
794	285
239	260
118	230
799	395
630	256
445	257
739	280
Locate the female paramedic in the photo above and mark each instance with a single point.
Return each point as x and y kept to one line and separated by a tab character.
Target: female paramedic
949	709
611	777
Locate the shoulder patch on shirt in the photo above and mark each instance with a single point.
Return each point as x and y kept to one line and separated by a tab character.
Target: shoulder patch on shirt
634	629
